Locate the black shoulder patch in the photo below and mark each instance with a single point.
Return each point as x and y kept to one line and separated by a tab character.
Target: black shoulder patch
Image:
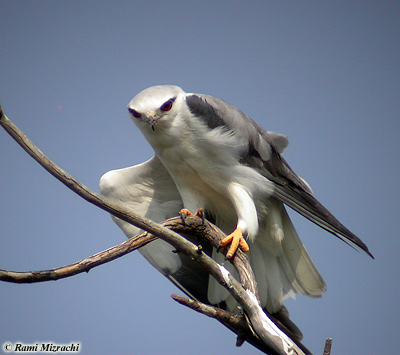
199	107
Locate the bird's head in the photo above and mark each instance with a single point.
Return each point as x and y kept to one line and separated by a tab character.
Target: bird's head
154	105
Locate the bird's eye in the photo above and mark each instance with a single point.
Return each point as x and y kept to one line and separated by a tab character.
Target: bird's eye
166	106
134	113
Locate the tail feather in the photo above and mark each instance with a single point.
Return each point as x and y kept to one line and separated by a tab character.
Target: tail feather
297	263
281	264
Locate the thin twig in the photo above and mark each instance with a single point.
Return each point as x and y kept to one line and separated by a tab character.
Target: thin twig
234	320
80	266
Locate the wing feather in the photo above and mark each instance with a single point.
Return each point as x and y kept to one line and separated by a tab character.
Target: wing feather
264	155
148	189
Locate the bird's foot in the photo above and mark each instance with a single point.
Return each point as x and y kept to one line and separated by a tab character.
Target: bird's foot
237	240
185	212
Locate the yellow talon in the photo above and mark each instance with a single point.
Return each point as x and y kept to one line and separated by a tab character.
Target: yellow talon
185	212
236	239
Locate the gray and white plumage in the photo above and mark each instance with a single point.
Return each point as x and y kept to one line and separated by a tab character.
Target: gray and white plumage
210	155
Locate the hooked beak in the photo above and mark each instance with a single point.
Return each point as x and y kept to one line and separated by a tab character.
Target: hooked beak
152	120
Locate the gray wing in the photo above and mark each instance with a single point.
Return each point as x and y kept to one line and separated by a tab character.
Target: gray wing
264	154
149	190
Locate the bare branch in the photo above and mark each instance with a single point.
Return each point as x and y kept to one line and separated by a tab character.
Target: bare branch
261	324
202	230
236	322
194	226
328	346
80	266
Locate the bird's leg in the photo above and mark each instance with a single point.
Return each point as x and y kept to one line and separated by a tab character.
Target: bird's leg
236	239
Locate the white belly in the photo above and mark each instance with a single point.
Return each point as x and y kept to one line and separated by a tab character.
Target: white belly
201	187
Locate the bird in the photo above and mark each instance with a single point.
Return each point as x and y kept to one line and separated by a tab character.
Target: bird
212	157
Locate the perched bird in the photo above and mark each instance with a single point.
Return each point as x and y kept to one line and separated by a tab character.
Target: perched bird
209	155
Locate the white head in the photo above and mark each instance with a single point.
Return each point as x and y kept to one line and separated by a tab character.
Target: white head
155	104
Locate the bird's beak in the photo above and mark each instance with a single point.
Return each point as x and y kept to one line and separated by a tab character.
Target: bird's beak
152	119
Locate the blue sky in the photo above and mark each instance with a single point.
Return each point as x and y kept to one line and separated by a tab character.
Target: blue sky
326	74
